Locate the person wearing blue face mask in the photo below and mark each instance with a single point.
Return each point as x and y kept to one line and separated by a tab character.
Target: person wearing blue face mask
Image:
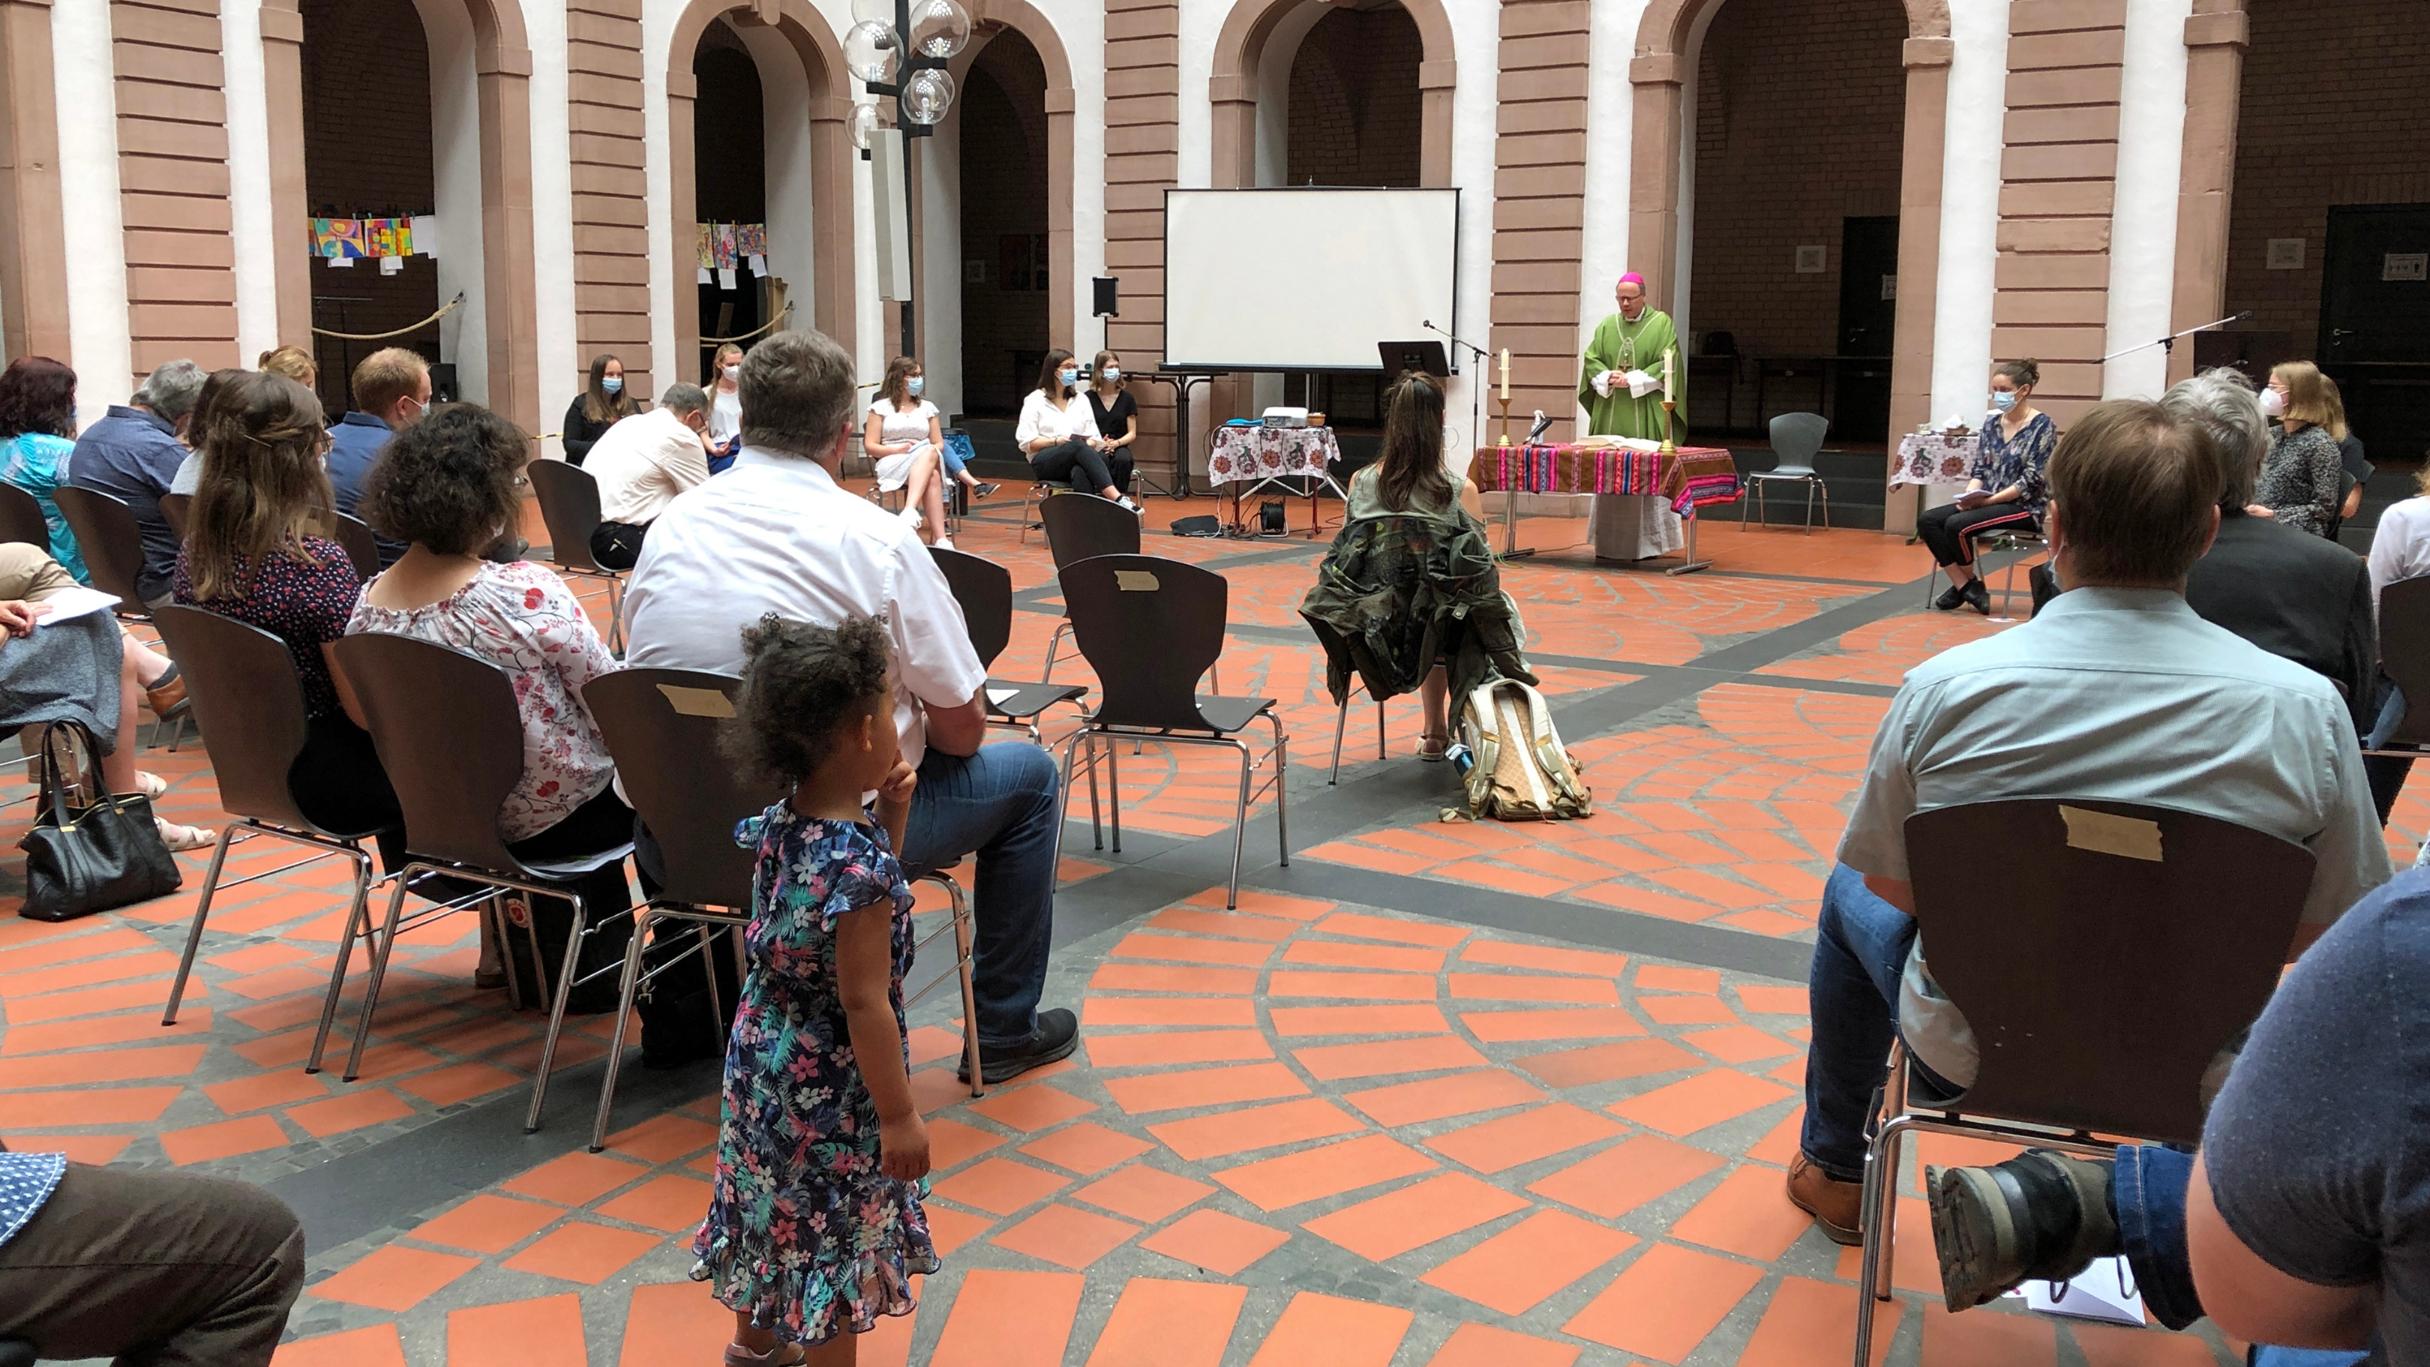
597	408
1117	415
902	422
1058	433
2003	487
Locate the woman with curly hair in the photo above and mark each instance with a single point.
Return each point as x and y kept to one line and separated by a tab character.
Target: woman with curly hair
37	434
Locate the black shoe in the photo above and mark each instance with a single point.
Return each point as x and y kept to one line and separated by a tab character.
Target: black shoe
983	488
1978	597
1948	602
2040	1217
1055	1035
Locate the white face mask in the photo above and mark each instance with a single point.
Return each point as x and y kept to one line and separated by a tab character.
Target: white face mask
2273	404
733	372
1112	374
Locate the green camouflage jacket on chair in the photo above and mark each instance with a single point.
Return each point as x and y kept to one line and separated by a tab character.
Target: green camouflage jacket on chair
1400	592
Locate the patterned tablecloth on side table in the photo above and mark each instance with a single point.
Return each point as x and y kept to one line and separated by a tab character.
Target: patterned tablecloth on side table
1931	458
1247	454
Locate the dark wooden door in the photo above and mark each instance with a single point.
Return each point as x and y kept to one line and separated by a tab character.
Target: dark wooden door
1868	313
2375	324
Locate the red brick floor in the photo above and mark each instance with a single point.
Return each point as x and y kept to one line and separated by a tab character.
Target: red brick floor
1342	1128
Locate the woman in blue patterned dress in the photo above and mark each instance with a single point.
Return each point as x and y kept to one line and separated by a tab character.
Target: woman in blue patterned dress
815	1227
2004	488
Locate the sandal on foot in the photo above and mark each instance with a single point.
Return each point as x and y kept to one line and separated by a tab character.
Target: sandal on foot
152	786
1432	749
181	839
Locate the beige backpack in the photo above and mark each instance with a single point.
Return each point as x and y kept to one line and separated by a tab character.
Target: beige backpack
1521	771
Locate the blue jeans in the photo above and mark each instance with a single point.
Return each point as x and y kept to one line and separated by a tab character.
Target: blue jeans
999	804
1853	994
956	454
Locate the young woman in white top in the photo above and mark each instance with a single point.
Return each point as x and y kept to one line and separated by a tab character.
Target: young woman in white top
906	440
1059	433
725	399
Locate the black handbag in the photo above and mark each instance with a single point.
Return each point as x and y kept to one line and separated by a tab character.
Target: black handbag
96	857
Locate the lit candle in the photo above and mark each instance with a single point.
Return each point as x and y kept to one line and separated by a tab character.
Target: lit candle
1670	369
1506	374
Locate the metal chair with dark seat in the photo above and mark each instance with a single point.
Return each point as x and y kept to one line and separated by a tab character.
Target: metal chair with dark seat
2404	656
111	542
2194	918
449	734
21	518
174	510
658	723
1081	527
245	690
984	590
1152	628
362	548
1797	439
569	507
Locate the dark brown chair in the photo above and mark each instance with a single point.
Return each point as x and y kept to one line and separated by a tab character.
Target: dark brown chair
1082	527
21	518
449	734
111	542
1152	628
362	548
569	507
174	510
243	686
2122	948
983	588
2404	655
658	723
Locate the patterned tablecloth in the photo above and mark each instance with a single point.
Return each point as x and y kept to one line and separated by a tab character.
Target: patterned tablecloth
1690	477
1247	454
1931	458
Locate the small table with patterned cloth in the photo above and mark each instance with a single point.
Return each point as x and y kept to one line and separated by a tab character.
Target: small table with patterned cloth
1929	458
1689	478
1250	457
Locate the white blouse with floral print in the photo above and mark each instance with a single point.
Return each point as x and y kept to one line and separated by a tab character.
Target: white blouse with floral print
525	620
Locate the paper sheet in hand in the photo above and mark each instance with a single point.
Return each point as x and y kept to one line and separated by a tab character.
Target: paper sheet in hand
69	604
2094	1294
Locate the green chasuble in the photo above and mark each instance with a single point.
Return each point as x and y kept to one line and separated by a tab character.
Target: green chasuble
1621	346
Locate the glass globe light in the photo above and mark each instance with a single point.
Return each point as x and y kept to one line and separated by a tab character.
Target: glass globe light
871	51
863	124
939	28
927	96
873	12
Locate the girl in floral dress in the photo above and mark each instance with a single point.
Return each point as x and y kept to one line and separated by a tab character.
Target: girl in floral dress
815	1227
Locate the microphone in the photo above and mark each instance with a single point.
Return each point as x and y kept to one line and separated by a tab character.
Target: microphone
1542	423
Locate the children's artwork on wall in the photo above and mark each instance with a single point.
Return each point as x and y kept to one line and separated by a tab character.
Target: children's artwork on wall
724	248
751	239
336	238
708	246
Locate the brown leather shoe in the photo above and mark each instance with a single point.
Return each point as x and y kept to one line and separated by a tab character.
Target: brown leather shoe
1837	1207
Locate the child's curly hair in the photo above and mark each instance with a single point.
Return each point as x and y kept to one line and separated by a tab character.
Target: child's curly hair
800	685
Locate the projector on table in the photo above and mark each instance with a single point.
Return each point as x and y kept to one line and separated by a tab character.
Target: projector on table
1286	417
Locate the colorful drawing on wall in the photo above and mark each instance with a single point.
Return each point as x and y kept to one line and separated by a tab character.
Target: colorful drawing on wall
724	247
337	237
381	237
750	239
708	246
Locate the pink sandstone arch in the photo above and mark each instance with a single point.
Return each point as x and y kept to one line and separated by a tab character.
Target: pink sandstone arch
990	17
503	68
1232	88
833	306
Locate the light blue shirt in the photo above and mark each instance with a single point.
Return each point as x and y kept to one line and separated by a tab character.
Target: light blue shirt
26	1182
2123	695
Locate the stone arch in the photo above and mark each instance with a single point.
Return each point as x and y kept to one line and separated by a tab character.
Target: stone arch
832	305
1232	87
990	17
1666	40
502	69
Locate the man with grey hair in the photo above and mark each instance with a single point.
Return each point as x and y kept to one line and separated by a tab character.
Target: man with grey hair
642	463
779	534
132	454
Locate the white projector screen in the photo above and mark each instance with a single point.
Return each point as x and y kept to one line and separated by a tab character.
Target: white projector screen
1304	279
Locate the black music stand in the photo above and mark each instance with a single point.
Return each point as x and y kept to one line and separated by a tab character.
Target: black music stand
1425	356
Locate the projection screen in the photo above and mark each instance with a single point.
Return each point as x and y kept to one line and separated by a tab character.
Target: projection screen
1304	279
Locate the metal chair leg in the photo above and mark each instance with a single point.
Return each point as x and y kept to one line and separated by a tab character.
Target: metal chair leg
1282	790
383	942
556	1014
625	993
358	926
1240	828
1341	725
1379	732
1113	790
202	911
965	936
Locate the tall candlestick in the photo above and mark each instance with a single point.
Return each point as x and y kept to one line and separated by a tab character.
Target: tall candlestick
1506	374
1670	368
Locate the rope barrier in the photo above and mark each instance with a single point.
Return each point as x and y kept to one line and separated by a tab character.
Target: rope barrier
767	327
444	309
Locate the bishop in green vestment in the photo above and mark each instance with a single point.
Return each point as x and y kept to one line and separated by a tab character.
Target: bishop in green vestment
1635	338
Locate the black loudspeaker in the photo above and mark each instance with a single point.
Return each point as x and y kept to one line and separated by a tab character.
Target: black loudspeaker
1108	293
443	383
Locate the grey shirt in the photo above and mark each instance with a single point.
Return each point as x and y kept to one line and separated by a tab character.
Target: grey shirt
2123	695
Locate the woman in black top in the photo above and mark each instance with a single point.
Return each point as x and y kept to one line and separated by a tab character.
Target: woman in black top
1117	415
597	408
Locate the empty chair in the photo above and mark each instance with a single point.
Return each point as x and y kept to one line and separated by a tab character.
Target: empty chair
449	733
1797	439
983	588
2195	918
243	686
569	507
1081	527
362	548
1152	628
112	544
658	723
21	518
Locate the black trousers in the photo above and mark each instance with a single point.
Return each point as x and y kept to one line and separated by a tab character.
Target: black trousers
166	1269
338	782
1950	531
601	823
617	545
1084	467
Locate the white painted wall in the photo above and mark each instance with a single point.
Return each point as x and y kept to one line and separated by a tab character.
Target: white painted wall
2143	225
103	356
785	120
455	146
939	163
1970	209
1611	120
562	369
257	235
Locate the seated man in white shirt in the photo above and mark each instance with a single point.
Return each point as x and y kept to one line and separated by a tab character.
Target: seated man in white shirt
777	534
641	464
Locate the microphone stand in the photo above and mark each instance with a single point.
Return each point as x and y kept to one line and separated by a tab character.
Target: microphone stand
2169	343
1476	398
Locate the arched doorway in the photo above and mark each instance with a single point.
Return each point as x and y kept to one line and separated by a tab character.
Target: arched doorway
1792	248
479	100
1259	48
761	83
1002	205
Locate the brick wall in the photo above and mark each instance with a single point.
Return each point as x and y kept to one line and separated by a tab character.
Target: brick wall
367	151
1142	146
1003	114
611	199
173	182
2333	112
2058	186
1354	104
1771	177
1539	205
